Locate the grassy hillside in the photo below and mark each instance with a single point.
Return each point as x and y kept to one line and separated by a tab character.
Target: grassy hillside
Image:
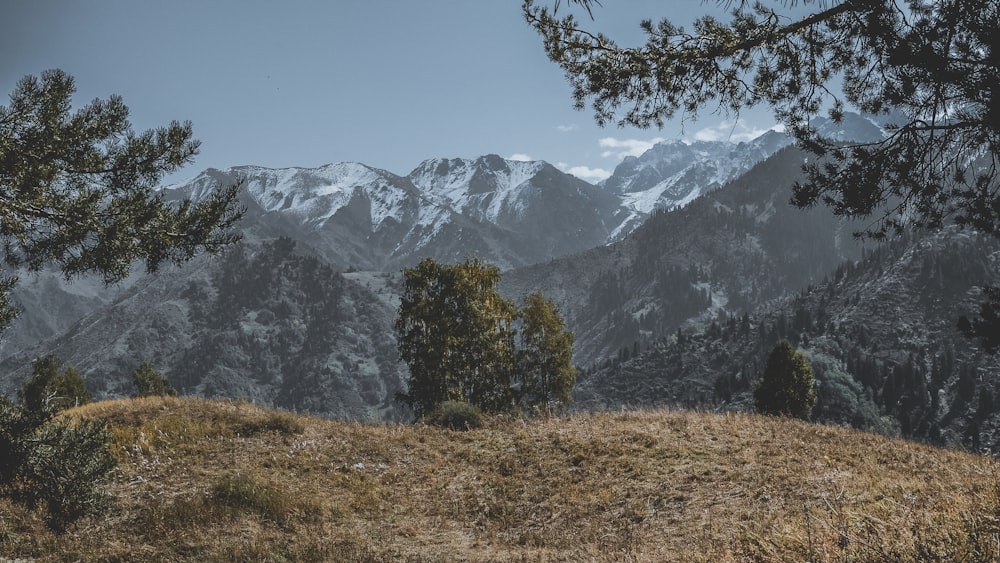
203	480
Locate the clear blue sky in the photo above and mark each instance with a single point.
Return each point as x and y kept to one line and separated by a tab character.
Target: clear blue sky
305	83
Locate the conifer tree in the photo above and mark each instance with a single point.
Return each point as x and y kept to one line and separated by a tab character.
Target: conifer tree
49	461
78	189
787	387
930	66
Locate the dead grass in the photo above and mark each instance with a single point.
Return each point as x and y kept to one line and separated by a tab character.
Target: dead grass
203	480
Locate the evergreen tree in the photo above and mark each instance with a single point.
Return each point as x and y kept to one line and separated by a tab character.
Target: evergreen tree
787	387
78	190
53	462
930	65
50	385
151	383
455	334
545	355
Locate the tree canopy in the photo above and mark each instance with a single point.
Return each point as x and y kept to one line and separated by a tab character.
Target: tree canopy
51	385
78	189
929	67
545	358
455	334
787	387
460	339
151	383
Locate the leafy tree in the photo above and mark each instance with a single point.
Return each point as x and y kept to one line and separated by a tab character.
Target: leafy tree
787	387
78	190
931	64
51	387
151	383
544	360
455	334
53	462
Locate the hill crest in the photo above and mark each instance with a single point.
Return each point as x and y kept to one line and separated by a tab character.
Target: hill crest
646	485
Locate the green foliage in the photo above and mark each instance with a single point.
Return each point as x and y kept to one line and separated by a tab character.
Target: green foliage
929	64
151	383
840	398
457	415
456	333
544	360
50	386
53	462
787	387
79	189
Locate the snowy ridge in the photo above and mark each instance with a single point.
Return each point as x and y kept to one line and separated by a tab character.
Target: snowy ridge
512	212
675	172
317	194
486	188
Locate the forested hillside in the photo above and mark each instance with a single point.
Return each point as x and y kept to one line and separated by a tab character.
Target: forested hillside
880	333
733	249
273	324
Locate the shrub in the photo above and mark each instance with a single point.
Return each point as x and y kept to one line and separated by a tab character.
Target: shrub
60	389
151	383
55	462
457	415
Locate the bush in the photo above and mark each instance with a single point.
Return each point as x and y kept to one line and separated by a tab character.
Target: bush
55	462
151	383
60	389
457	415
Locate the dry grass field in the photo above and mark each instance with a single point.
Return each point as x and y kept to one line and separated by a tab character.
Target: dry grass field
205	480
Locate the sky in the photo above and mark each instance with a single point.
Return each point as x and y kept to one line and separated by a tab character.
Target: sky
388	83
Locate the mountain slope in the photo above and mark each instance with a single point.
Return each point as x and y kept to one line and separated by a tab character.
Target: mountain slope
370	219
732	249
554	213
881	336
673	174
271	323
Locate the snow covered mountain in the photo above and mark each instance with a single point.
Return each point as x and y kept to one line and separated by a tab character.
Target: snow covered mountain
511	213
674	173
559	213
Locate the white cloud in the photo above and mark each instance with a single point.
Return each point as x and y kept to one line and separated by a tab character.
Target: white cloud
735	132
620	148
585	173
566	128
520	156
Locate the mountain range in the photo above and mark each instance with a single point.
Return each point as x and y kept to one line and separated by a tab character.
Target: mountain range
677	274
